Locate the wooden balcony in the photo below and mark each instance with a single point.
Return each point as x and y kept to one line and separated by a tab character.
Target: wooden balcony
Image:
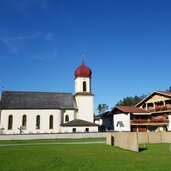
159	108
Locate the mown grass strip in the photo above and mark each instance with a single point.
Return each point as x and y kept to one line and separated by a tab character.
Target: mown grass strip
84	157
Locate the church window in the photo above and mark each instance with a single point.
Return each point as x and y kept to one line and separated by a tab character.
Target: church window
38	122
51	122
66	118
24	120
84	86
10	121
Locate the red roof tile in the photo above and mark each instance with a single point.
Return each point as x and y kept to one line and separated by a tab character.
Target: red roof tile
79	122
165	92
131	109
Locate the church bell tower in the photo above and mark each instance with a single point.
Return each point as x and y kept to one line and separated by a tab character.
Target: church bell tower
83	95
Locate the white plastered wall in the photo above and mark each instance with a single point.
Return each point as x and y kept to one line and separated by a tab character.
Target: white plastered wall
99	121
85	107
169	126
125	119
79	129
31	121
79	84
70	113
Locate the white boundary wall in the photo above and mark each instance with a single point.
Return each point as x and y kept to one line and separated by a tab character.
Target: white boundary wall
131	140
52	136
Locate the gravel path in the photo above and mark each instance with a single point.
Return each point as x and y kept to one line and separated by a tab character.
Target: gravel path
49	143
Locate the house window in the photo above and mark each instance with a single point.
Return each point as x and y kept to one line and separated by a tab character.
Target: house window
38	122
84	86
73	129
24	119
10	121
51	122
87	130
120	124
66	118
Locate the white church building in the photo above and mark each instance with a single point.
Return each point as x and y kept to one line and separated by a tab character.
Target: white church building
50	112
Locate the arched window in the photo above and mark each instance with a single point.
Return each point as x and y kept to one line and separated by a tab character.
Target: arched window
24	120
38	122
51	122
84	86
10	121
66	118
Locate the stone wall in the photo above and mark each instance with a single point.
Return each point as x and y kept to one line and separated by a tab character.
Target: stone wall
154	137
52	136
143	138
126	140
166	137
131	140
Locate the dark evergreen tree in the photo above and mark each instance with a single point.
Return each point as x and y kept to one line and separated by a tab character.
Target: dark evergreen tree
169	89
102	108
130	101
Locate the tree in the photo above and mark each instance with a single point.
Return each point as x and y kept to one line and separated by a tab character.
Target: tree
169	89
130	101
102	108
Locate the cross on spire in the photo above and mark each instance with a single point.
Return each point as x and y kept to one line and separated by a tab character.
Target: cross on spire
82	59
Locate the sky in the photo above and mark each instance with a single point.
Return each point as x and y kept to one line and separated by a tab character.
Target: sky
126	43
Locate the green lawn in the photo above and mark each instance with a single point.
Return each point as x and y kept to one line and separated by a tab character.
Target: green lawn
91	157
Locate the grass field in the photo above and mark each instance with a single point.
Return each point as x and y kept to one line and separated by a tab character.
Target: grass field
90	157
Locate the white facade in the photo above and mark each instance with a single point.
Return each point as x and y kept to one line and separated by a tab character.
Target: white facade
79	84
31	127
121	122
84	99
98	121
85	107
31	117
169	126
79	129
68	114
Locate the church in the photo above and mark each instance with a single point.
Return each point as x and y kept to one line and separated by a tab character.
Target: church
50	112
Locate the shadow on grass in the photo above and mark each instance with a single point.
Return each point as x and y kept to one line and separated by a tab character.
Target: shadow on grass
142	149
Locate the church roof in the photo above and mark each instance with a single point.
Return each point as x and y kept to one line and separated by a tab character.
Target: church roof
79	122
37	100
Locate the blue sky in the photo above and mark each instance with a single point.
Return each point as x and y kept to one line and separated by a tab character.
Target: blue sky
126	43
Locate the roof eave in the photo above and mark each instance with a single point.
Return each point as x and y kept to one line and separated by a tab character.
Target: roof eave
141	113
39	109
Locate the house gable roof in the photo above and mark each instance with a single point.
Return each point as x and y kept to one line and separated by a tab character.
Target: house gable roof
128	109
102	115
37	100
79	122
163	93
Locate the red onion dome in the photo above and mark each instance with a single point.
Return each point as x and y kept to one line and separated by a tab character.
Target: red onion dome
83	71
